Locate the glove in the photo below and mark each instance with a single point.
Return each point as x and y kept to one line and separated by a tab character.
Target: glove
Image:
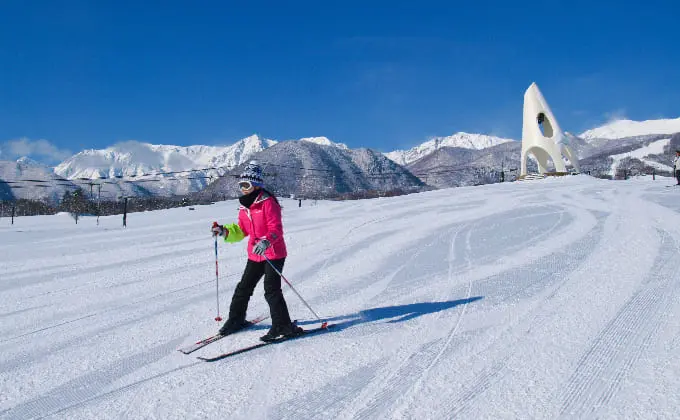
219	230
261	246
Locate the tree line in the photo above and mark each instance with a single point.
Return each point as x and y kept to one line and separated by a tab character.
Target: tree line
77	204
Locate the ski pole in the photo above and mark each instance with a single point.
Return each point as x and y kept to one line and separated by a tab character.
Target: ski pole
324	324
218	318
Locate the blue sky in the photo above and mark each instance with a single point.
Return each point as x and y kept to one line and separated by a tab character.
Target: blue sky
88	74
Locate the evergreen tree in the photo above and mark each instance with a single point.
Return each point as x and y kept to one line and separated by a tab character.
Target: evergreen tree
75	203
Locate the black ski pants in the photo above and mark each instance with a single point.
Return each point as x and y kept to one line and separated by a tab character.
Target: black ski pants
677	175
272	292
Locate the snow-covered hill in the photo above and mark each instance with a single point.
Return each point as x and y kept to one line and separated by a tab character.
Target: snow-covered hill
309	169
25	178
642	154
540	300
627	128
630	155
462	140
456	166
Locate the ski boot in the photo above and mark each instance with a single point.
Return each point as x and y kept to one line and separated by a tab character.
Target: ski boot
277	332
233	325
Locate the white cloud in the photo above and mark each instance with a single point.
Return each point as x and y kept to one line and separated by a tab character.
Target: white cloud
615	115
40	150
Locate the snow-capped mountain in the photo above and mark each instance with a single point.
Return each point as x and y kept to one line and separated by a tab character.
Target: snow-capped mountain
461	139
324	141
627	128
28	179
633	155
457	166
134	158
143	160
28	162
475	158
242	150
628	147
624	147
308	169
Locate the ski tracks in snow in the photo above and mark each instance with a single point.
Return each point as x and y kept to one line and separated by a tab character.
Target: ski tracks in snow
405	372
399	369
87	387
581	268
617	348
487	371
505	362
492	365
409	396
409	367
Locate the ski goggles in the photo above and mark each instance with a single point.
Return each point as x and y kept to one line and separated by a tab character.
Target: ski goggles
245	185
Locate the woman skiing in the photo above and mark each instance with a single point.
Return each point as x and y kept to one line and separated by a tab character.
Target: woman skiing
259	218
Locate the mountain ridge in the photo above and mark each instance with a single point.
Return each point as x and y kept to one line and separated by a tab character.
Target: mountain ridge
460	139
475	158
628	128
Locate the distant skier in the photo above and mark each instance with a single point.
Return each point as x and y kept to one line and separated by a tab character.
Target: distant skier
259	218
676	166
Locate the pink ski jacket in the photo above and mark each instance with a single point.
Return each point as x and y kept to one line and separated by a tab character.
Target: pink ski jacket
261	221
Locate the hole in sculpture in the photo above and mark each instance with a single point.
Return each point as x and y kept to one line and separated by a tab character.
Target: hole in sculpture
541	159
544	125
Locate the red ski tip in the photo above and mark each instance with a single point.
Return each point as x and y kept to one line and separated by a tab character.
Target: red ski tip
219	318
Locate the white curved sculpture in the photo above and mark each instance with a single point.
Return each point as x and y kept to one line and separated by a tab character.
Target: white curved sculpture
542	136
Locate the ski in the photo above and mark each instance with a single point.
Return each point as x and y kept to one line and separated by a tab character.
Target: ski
202	343
307	333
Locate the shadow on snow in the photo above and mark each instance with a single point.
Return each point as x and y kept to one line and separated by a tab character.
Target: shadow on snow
398	313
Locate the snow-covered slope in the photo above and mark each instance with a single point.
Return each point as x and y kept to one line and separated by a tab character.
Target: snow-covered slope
485	302
641	154
628	128
463	140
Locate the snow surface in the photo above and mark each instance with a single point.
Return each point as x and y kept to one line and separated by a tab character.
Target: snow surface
541	299
628	128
